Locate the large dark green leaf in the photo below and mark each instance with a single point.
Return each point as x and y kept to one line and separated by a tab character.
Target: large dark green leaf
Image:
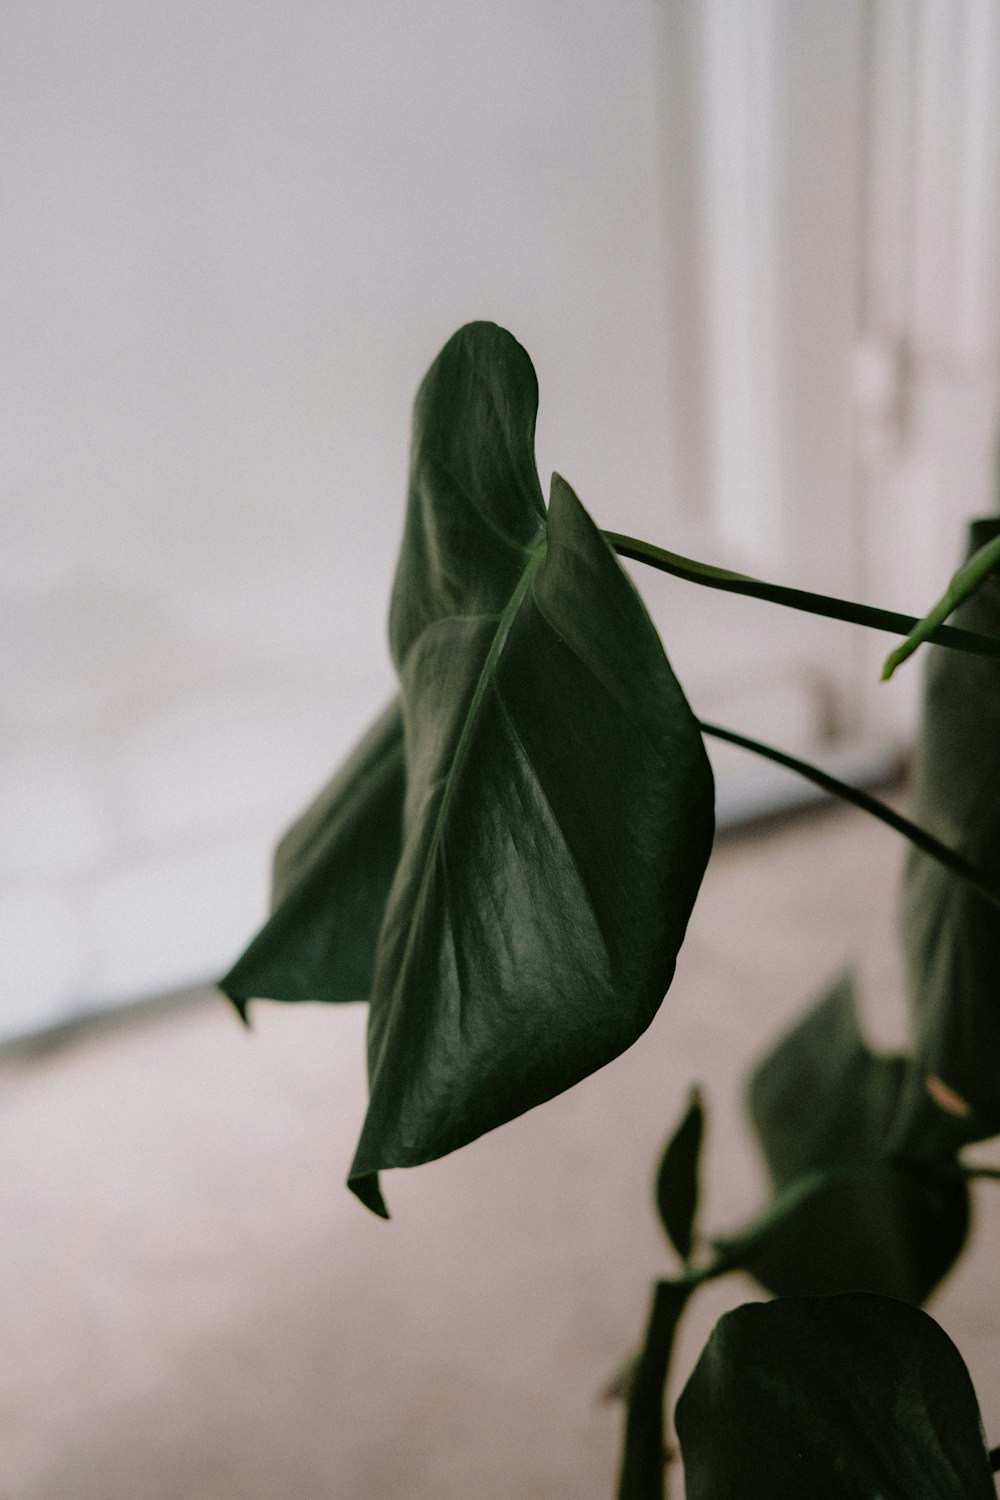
823	1100
332	873
951	934
834	1398
558	811
677	1177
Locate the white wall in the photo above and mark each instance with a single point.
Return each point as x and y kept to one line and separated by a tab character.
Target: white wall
234	235
748	244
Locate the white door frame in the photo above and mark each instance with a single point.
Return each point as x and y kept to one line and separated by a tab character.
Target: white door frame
832	218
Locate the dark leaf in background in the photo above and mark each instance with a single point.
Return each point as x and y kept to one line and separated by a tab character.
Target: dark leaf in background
332	873
559	800
831	1398
677	1178
952	935
642	1475
822	1099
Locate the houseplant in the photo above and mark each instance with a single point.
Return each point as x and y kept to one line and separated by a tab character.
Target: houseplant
504	869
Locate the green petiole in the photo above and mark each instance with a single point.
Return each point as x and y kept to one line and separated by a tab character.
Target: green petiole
917	836
814	604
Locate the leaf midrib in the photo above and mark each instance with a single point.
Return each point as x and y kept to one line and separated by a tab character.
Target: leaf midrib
505	622
483	682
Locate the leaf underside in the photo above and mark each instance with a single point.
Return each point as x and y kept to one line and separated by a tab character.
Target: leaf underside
330	884
851	1397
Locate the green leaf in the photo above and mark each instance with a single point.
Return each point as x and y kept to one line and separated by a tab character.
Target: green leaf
971	576
820	1101
641	1476
332	873
834	1398
559	800
677	1178
951	935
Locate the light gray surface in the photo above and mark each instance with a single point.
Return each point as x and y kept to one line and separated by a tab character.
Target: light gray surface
192	1307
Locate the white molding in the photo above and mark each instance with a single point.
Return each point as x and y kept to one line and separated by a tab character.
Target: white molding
739	41
955	313
928	368
887	251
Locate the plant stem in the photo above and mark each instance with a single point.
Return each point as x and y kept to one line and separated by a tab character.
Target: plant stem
917	836
641	1476
986	1174
814	604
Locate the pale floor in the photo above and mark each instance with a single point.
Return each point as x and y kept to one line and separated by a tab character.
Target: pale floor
192	1307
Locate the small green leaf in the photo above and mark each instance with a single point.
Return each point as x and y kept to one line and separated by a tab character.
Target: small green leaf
677	1178
822	1100
558	812
971	575
332	873
951	935
835	1398
641	1476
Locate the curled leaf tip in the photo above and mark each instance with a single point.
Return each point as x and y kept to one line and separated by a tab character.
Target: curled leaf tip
368	1191
241	1007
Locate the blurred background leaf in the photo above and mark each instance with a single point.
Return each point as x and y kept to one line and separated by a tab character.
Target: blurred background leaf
677	1177
822	1099
951	935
